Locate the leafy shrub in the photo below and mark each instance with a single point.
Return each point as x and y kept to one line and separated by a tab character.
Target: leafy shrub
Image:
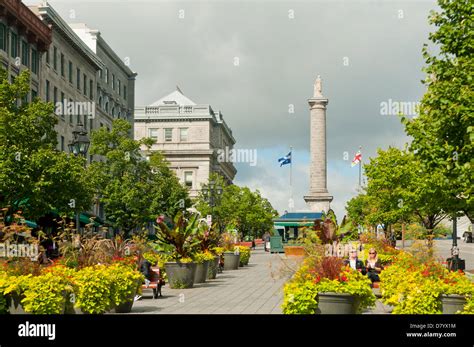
94	289
244	254
126	282
300	298
201	257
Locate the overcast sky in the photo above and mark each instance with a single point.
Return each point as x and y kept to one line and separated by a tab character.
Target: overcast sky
366	52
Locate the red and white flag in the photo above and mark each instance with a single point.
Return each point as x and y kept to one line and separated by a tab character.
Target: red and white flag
357	159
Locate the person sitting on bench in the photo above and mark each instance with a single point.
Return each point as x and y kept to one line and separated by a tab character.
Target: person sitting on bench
373	265
144	267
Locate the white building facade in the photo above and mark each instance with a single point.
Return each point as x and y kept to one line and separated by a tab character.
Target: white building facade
189	135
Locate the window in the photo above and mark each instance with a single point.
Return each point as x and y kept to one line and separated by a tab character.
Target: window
34	61
62	65
100	73
34	94
168	134
78	78
84	85
183	134
14	45
55	96
62	143
25	53
91	89
47	57
118	87
70	71
106	75
113	81
188	179
91	124
47	91
55	58
153	133
3	37
71	120
64	104
125	92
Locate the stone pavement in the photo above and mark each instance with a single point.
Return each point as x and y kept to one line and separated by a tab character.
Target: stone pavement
255	288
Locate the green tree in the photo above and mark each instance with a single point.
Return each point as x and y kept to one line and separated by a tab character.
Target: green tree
443	133
34	176
251	213
134	190
400	189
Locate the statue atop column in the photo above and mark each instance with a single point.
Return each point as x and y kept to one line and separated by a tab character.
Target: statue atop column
317	87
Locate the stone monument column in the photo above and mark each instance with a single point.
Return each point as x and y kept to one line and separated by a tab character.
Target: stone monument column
318	198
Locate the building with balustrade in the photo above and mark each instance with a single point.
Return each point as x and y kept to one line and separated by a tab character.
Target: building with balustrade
189	135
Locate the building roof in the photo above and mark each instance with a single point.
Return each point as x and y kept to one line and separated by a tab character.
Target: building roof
294	216
174	98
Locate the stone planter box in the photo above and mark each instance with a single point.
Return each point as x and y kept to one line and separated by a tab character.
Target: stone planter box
180	275
337	303
231	261
452	303
14	304
295	251
201	272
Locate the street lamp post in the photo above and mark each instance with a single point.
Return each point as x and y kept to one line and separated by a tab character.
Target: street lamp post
455	263
212	193
79	146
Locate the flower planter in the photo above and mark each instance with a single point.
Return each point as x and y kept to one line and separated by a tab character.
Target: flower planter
201	272
125	307
452	303
180	275
295	251
337	303
245	243
231	261
213	267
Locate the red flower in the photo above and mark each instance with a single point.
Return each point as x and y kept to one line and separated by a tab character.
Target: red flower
343	278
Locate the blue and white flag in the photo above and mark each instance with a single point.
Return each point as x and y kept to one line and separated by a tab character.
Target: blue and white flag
285	160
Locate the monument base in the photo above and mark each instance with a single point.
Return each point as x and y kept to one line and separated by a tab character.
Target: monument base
318	203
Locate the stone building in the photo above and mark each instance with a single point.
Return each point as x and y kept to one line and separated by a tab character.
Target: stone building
24	39
189	135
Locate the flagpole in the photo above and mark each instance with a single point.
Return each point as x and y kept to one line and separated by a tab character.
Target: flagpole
291	176
360	168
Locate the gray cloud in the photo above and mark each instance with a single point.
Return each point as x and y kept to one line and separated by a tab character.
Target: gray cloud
279	59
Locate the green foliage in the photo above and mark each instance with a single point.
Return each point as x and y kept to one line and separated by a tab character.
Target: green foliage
443	133
126	282
251	213
34	176
180	234
244	254
134	190
300	298
201	257
94	289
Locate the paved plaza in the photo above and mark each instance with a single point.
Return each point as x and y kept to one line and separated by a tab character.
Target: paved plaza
255	288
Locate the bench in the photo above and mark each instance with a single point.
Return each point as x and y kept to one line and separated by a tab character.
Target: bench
156	282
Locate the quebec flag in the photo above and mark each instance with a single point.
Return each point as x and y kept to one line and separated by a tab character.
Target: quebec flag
285	160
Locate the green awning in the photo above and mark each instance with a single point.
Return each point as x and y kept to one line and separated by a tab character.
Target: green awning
294	224
84	218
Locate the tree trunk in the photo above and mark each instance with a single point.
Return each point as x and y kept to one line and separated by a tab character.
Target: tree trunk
429	242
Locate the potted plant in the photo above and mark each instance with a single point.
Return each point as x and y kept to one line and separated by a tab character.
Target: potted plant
180	236
244	255
214	264
208	240
202	260
340	289
456	290
231	254
126	283
94	289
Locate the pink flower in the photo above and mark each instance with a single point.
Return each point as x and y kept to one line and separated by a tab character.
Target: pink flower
160	219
